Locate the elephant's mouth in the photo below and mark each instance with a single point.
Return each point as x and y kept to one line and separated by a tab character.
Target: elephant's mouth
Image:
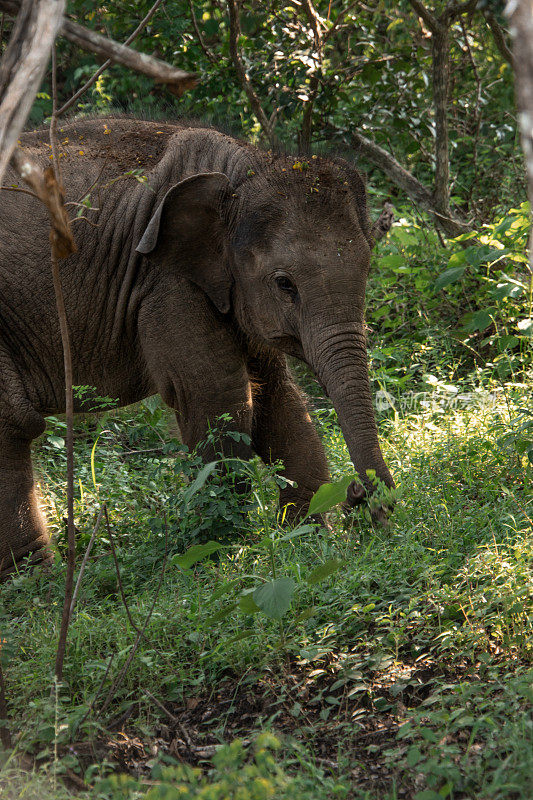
289	345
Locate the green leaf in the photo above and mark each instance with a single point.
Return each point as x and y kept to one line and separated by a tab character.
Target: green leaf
274	598
508	287
394	260
413	756
247	603
226	587
449	276
323	571
525	326
220	615
200	480
152	403
329	495
481	320
300	531
456	259
504	342
195	553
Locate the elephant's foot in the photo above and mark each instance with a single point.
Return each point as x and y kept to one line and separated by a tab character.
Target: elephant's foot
37	551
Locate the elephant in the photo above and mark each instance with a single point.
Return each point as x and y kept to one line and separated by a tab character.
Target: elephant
202	263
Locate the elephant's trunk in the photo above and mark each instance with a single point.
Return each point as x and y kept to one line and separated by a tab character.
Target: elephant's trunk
339	358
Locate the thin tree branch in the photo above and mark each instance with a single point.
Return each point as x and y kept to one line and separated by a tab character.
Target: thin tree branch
315	21
92	80
407	182
117	570
86	558
209	53
69	396
432	22
98	692
440	45
5	736
244	79
499	36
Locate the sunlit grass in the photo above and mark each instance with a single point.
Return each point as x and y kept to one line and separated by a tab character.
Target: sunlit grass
444	590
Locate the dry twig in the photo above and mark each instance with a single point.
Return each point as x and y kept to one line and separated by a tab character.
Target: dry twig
5	736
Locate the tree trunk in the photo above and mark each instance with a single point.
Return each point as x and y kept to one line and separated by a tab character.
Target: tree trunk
22	68
521	18
441	72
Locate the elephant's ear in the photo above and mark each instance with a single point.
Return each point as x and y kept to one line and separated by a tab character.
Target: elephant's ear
187	234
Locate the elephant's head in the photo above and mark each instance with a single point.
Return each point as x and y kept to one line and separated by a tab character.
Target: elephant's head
287	252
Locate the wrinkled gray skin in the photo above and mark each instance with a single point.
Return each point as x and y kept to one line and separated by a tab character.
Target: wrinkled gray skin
194	285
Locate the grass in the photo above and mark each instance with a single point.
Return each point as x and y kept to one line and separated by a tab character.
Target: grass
403	672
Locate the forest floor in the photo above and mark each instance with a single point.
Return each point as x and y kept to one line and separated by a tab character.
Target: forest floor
399	670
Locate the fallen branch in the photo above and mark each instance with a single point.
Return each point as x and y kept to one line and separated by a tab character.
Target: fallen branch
23	66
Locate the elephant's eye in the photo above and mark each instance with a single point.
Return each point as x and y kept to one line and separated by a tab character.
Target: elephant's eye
286	286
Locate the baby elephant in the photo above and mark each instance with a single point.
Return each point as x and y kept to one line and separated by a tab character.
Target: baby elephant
202	262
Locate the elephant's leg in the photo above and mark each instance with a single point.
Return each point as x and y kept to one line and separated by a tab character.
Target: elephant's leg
283	430
197	365
22	527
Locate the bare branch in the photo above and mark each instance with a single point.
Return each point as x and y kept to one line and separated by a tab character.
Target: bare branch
23	66
244	79
440	45
499	36
383	224
407	182
432	22
92	80
176	80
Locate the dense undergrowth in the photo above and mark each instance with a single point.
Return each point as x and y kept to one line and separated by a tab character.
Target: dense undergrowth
347	661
